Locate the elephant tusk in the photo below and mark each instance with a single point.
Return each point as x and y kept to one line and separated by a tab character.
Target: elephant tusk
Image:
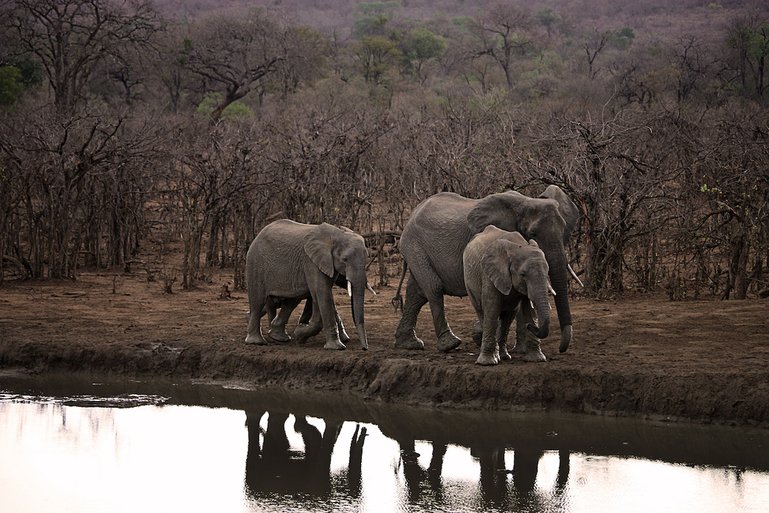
574	275
368	287
349	289
550	289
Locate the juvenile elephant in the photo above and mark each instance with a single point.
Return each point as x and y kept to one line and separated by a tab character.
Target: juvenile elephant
440	227
290	261
503	273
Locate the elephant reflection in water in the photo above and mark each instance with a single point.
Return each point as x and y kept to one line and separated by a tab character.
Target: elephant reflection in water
494	484
415	475
272	467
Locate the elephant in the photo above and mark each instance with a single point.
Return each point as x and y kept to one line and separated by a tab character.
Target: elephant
503	273
437	232
290	261
273	467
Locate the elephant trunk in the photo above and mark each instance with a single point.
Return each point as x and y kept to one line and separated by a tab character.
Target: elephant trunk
543	315
358	292
558	279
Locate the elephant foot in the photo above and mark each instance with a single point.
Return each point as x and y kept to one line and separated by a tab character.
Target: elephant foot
448	341
504	355
344	337
278	334
534	354
334	344
520	348
408	341
255	339
487	359
303	332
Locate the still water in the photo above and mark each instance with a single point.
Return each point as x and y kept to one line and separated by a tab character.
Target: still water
73	446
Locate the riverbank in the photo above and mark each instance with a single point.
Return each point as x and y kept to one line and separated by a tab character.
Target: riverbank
703	361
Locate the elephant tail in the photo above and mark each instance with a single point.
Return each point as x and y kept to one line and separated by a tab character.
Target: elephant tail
397	300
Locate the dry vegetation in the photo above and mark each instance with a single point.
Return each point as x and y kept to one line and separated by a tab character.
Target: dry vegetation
162	136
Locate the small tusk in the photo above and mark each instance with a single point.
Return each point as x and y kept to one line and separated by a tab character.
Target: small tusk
550	289
368	287
349	289
574	275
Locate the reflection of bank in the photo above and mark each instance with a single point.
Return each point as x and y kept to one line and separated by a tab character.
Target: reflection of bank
272	467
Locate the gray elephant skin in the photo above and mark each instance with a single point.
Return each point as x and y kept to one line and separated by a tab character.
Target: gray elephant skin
290	261
504	272
441	226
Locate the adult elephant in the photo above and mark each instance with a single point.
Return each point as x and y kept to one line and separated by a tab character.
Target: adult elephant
440	227
290	261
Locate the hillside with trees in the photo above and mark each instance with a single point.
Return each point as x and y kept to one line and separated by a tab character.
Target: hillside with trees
176	130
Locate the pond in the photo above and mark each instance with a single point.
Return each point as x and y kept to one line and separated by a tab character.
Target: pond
70	444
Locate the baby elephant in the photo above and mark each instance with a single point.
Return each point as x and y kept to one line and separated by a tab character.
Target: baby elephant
503	272
290	261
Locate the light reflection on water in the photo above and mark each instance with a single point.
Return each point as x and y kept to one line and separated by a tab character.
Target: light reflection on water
180	458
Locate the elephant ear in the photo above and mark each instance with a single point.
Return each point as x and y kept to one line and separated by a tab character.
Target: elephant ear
533	243
319	245
496	266
494	209
566	207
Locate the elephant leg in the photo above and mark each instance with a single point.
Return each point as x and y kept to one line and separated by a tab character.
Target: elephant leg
278	322
526	343
405	334
311	328
505	320
307	312
323	301
477	332
447	341
257	303
478	324
343	336
271	309
489	355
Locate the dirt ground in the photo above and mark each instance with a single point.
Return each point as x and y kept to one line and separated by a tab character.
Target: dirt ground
705	360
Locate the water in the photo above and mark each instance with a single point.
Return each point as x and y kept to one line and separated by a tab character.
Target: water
74	446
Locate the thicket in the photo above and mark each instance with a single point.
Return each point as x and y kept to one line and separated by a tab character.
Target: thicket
132	135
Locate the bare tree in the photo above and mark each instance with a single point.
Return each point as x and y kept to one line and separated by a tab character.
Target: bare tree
501	34
72	37
77	180
233	52
593	46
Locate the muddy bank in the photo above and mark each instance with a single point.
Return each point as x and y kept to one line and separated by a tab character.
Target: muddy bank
699	396
704	361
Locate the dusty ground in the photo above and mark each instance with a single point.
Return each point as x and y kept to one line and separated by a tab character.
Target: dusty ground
698	360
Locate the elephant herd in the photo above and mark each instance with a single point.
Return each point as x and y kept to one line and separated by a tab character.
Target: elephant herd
507	251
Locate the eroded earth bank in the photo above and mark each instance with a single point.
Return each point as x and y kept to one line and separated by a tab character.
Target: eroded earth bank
699	360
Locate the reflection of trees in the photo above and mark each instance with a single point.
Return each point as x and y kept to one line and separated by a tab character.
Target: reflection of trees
271	465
